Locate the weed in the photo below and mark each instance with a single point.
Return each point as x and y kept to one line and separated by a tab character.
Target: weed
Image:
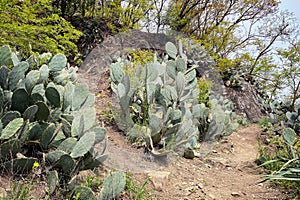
93	182
20	190
136	190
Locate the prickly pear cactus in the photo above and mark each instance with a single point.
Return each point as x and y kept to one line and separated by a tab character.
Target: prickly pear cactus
156	101
43	108
222	118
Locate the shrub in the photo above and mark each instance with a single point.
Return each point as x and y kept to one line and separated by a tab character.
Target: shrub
32	26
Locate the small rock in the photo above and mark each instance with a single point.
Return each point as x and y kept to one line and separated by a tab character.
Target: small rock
260	184
189	153
159	179
235	194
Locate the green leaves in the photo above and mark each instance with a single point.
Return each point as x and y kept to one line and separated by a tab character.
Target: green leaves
38	25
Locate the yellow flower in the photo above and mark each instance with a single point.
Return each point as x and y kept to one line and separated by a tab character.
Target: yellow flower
35	165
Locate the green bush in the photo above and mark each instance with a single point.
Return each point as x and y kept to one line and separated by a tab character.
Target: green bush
32	26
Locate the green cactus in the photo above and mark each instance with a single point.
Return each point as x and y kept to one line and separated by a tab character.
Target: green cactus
32	79
20	165
11	128
156	103
53	96
84	145
43	111
46	110
116	73
53	181
222	121
44	73
10	148
79	96
3	77
57	63
83	193
17	74
9	116
20	100
5	56
67	164
171	50
67	145
118	181
30	112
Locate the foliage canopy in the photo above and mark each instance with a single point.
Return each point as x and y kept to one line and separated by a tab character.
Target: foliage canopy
32	26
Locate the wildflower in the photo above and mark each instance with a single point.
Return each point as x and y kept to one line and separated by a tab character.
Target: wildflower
35	165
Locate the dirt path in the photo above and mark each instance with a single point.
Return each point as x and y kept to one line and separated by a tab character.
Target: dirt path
228	172
224	170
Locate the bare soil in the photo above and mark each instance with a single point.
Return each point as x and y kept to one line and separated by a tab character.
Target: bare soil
222	170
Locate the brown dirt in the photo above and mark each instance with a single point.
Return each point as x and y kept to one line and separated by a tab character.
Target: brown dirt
223	170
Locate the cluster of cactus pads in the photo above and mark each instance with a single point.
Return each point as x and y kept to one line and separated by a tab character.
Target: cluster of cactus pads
158	102
293	120
47	118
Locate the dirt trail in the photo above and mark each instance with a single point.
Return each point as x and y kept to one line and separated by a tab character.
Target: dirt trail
228	172
224	170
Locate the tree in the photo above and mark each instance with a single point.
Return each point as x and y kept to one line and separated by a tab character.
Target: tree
119	14
125	14
68	8
290	59
237	33
30	25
